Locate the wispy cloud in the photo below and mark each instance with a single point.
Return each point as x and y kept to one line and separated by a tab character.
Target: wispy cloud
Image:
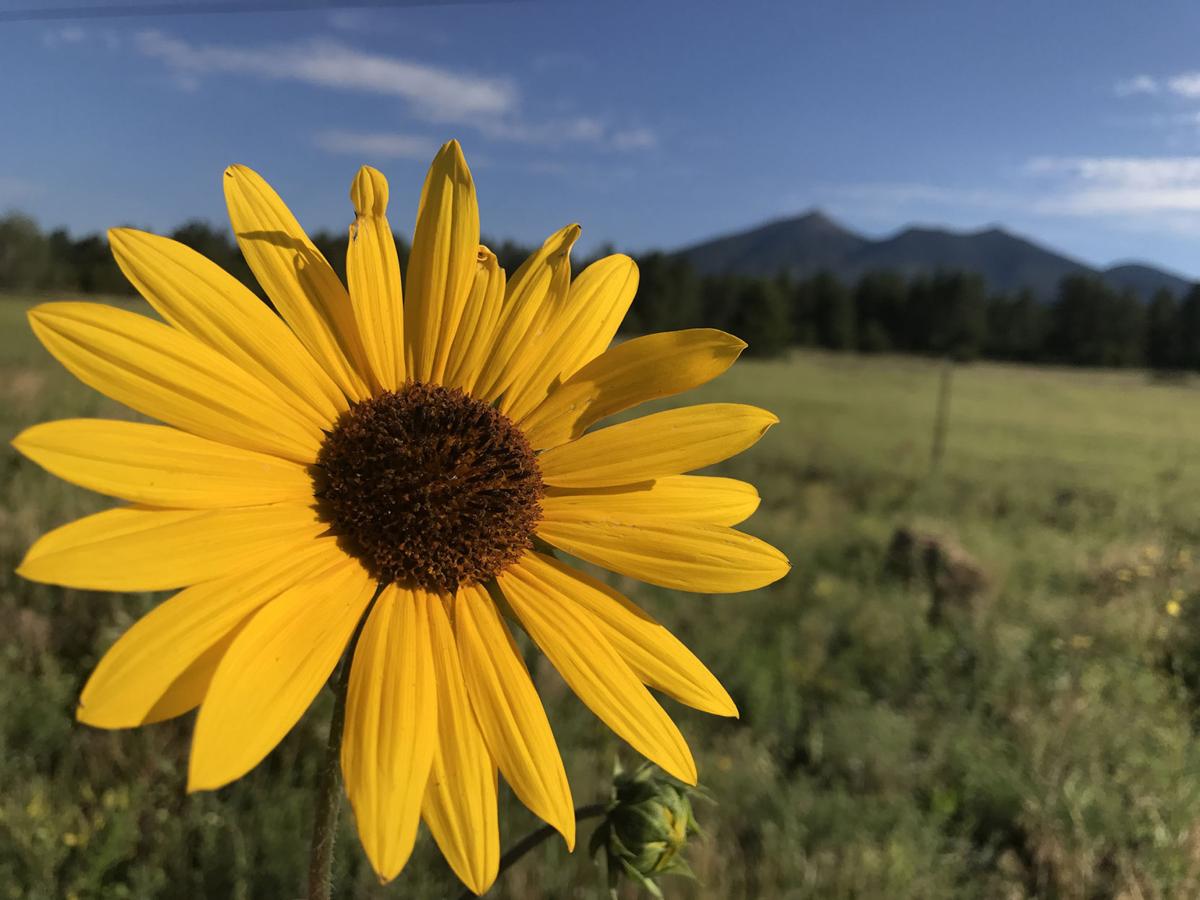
1181	84
71	35
555	131
436	93
1186	84
897	200
1138	84
1119	185
490	105
67	34
635	139
377	146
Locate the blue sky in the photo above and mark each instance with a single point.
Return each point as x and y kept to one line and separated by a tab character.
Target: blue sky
652	124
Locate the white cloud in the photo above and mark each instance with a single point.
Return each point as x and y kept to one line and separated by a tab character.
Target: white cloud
556	131
1119	185
377	145
491	105
67	34
1185	84
1182	84
1138	84
436	93
70	35
635	139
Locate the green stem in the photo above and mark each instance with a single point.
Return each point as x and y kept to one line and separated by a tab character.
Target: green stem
531	840
329	793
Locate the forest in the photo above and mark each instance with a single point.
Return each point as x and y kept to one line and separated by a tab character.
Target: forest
945	313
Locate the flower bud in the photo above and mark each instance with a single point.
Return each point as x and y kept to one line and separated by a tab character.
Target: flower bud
646	828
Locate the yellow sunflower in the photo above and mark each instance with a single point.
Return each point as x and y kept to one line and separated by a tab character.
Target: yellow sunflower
348	456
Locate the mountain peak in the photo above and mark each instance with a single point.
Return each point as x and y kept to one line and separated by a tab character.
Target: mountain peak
814	216
793	244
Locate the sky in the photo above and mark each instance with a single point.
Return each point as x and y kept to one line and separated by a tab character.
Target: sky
652	124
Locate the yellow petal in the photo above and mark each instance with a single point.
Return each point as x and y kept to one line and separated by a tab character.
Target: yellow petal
532	298
391	726
298	279
460	799
582	329
373	272
199	297
175	641
665	443
509	713
187	691
655	655
273	670
476	331
168	375
161	466
688	556
569	635
641	369
133	549
691	498
442	264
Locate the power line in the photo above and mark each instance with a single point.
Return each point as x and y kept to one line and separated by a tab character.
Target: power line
217	7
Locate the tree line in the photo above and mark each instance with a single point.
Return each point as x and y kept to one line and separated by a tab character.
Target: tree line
946	313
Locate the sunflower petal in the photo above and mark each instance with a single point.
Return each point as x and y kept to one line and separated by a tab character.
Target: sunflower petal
391	726
687	556
442	264
532	297
161	466
373	273
691	498
665	443
641	369
128	686
273	670
460	800
476	331
132	549
569	635
300	282
655	655
583	328
199	297
187	691
164	373
509	713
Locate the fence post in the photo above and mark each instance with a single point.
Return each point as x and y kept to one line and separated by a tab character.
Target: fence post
941	420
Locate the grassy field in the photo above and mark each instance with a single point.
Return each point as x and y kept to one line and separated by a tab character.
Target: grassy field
1009	714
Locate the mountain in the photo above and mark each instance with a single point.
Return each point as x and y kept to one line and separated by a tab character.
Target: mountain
1145	280
811	242
801	245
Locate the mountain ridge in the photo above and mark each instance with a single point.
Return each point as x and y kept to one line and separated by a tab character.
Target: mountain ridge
813	241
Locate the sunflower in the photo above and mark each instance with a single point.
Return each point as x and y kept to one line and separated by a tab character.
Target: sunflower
351	464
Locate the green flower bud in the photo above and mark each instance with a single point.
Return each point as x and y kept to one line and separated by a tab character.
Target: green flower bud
646	828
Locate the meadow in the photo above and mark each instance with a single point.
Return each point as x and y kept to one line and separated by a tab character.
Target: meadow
1004	707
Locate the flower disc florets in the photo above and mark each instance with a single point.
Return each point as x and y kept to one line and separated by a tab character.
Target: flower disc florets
430	487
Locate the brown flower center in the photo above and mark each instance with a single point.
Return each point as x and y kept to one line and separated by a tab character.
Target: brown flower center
429	487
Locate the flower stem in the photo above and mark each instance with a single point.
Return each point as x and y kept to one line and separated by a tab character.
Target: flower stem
329	793
531	840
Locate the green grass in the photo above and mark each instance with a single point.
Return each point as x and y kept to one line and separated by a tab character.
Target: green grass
1035	741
